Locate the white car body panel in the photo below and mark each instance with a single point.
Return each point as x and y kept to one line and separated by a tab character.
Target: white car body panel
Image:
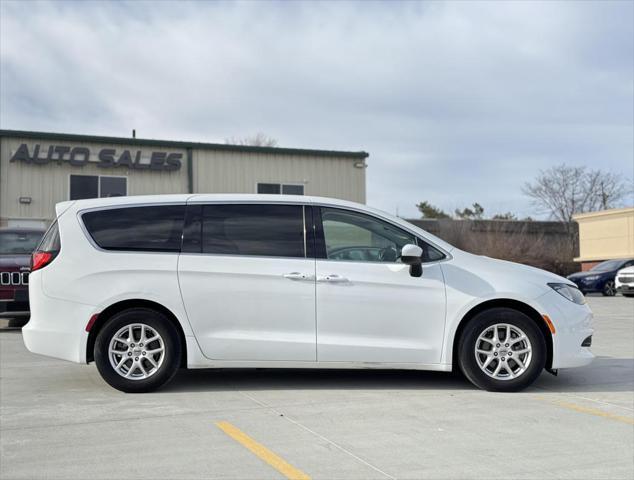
239	311
628	273
379	313
243	308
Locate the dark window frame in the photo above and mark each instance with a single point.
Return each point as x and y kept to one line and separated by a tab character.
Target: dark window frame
281	186
99	187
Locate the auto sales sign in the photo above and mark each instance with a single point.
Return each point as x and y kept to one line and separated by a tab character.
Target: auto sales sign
106	157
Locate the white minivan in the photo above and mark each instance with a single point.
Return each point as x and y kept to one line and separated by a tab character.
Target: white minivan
145	285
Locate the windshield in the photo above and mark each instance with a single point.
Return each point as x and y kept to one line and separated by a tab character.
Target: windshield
607	266
18	243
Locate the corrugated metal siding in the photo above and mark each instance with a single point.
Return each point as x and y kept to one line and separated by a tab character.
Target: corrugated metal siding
228	172
214	171
49	184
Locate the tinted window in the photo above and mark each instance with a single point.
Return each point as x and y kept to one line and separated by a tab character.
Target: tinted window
273	188
277	188
293	189
112	186
154	229
263	230
607	266
430	254
357	237
84	186
18	243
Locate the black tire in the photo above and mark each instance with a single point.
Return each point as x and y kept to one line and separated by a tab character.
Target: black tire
172	353
467	345
609	289
628	294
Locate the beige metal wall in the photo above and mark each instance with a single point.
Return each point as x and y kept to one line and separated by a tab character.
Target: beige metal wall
214	171
606	235
237	172
49	184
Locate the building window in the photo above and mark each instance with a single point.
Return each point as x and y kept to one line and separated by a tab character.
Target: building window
97	186
283	188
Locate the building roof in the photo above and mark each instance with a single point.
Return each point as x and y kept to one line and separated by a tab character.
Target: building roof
72	137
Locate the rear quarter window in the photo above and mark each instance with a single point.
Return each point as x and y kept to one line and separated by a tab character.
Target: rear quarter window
144	229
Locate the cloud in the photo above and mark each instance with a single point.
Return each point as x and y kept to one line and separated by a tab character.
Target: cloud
456	102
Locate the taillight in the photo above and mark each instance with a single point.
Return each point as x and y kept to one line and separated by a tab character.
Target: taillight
47	250
40	260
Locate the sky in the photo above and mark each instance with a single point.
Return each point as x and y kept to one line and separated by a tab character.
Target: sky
456	102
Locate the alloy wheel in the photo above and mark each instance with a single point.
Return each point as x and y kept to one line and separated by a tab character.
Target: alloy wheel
136	351
503	351
609	289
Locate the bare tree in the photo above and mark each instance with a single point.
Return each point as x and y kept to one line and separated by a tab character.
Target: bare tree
563	191
257	140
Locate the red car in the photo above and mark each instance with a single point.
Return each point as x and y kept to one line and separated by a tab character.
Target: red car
16	245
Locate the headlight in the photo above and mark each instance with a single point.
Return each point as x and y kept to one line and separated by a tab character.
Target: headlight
570	292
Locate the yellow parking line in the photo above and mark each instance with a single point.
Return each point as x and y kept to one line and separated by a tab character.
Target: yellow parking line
285	468
592	411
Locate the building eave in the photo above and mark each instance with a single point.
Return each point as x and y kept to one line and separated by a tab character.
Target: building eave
72	137
603	213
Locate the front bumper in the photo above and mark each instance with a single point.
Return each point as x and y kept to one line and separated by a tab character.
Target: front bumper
627	288
573	325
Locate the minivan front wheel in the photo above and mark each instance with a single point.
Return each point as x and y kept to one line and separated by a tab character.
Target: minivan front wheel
502	349
137	350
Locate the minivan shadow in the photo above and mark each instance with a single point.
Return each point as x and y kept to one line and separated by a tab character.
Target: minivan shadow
312	379
605	374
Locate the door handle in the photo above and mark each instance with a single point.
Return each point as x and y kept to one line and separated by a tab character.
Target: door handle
298	276
333	278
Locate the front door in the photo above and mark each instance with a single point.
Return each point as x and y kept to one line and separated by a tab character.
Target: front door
369	308
247	285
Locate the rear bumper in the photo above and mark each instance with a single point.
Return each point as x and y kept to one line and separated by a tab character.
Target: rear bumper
57	327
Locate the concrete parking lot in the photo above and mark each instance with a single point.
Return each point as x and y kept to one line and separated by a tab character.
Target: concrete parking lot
61	421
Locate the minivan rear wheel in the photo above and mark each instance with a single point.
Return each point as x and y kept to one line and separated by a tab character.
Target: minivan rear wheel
138	350
502	349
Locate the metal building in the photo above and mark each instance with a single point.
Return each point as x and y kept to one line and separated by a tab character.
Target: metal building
39	169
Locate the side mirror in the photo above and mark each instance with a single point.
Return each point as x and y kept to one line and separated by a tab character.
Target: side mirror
412	255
